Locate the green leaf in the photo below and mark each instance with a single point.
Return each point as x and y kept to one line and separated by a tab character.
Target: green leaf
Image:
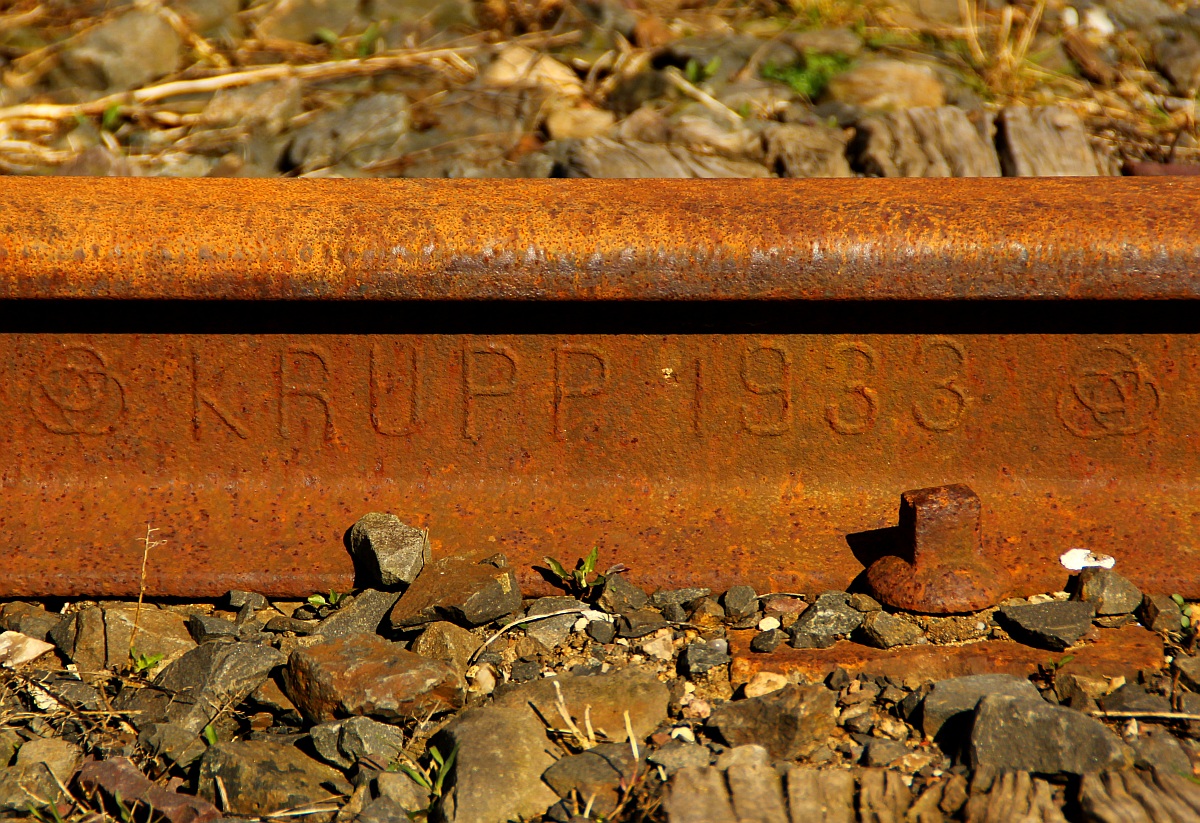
1178	598
334	597
366	42
445	770
557	568
712	67
589	562
419	778
111	119
1185	621
210	735
1064	661
436	755
327	36
317	600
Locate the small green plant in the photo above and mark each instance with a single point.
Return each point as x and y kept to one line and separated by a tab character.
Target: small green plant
368	39
49	808
811	76
143	662
1189	620
697	73
432	776
583	577
327	36
210	735
319	600
112	117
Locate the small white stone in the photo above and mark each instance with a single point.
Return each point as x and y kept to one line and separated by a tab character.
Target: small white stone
1078	559
580	625
683	733
1069	17
764	683
1097	20
768	623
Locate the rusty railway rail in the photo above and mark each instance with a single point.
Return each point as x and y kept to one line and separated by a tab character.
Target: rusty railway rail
710	380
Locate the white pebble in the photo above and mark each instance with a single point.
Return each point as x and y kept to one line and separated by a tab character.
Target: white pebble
1069	17
768	623
683	733
1097	20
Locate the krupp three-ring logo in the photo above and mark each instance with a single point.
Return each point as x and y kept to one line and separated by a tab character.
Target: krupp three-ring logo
1110	393
76	394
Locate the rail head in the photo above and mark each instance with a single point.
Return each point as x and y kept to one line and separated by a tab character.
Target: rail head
557	240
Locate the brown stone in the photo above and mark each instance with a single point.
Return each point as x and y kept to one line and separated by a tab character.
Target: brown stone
458	589
363	674
1116	652
608	695
448	643
118	777
260	777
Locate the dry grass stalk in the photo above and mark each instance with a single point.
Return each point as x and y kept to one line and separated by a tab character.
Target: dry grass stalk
148	544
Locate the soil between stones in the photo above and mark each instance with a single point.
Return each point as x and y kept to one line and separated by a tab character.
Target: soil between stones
609	702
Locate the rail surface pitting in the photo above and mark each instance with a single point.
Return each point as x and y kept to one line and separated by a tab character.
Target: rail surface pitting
708	442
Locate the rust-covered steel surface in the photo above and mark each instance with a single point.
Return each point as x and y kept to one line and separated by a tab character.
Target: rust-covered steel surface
712	381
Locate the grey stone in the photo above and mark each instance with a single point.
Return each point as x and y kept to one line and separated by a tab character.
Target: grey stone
864	603
458	589
364	739
1159	613
171	741
370	129
609	695
601	631
208	679
1044	141
640	623
1138	14
159	632
205	627
60	756
699	658
830	616
880	752
28	786
698	795
402	790
605	157
448	643
28	619
618	595
740	602
1177	53
552	631
596	774
300	20
123	53
80	636
674	613
261	778
389	552
885	630
1133	697
1024	734
678	754
789	723
385	810
362	615
924	142
807	640
883	795
1158	749
263	108
1108	591
1056	625
677	596
750	754
827	41
10	741
1189	671
757	793
806	150
827	796
324	737
301	628
768	641
237	599
952	702
502	754
211	18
